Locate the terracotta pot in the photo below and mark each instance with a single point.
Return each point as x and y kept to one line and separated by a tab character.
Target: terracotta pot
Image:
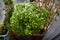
13	36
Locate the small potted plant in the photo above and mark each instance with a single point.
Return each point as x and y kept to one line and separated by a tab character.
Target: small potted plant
3	32
28	21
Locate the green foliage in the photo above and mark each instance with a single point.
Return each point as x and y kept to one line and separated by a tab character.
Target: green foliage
2	30
9	8
1	24
27	19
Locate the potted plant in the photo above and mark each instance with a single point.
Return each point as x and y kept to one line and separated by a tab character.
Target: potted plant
3	32
28	20
9	8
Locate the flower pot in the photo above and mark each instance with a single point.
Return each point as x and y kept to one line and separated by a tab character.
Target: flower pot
38	36
5	36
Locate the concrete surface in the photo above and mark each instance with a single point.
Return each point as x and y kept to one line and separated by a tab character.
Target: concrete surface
54	29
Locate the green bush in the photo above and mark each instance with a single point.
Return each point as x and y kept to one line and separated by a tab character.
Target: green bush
27	19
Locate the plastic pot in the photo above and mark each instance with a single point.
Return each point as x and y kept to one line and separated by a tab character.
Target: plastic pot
5	37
